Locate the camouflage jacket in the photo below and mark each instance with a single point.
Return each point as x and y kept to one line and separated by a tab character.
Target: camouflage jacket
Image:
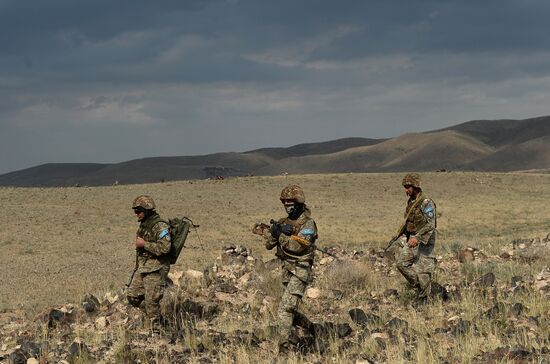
153	255
289	248
422	221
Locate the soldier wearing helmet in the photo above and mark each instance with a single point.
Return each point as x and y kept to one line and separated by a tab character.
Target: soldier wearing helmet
294	237
415	259
152	243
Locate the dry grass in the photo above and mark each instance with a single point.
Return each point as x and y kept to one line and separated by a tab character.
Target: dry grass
58	244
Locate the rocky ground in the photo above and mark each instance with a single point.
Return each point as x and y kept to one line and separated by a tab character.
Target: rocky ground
358	310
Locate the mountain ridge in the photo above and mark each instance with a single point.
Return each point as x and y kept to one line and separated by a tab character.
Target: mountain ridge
479	145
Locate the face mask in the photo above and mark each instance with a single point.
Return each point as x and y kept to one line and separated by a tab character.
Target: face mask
289	207
293	209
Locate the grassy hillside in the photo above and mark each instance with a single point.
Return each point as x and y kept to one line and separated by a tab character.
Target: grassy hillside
59	243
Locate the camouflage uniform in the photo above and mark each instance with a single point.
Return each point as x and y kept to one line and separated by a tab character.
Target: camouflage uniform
152	265
297	262
417	264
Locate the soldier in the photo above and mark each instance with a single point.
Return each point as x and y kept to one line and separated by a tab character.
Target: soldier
415	259
152	264
294	237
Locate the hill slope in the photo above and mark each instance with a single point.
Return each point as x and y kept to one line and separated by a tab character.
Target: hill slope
482	145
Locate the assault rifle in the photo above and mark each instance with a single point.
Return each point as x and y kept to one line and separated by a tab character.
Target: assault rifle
287	229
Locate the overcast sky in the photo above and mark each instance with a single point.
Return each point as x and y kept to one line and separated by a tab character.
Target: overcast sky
110	81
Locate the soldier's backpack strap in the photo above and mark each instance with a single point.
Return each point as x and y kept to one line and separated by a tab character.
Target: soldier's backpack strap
153	221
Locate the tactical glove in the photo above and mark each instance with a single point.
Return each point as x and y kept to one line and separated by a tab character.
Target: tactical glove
287	229
275	230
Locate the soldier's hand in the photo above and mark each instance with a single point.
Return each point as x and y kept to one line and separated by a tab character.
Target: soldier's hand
275	230
140	243
287	229
413	242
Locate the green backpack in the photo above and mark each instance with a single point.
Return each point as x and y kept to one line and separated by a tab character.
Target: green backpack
179	229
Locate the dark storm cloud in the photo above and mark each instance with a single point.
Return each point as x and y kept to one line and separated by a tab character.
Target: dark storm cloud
326	69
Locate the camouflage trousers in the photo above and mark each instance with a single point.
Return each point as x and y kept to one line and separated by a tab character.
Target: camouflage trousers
148	287
417	267
294	287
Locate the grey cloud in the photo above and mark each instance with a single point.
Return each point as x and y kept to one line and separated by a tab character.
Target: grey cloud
94	76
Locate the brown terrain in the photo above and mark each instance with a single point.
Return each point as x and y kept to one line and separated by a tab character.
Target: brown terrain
67	253
480	145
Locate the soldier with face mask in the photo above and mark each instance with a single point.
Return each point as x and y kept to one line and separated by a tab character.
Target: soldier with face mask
294	238
415	259
152	263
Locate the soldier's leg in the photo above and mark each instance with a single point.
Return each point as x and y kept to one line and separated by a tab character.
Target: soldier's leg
405	260
154	284
424	268
287	308
136	292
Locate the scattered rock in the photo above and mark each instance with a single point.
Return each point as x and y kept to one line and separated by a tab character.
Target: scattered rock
516	280
453	320
17	357
506	255
495	311
313	293
101	323
30	348
111	297
336	294
517	309
466	255
439	292
226	288
359	317
325	260
487	280
542	281
343	330
90	303
78	348
58	317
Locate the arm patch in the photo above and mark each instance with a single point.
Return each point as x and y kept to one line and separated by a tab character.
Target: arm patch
163	233
307	232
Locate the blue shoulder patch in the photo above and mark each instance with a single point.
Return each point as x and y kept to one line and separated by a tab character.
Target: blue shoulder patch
307	232
429	209
163	233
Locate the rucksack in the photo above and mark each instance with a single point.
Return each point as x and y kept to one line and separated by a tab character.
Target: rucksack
179	229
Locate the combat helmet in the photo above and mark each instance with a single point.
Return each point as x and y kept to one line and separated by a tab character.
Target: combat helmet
144	201
294	193
412	179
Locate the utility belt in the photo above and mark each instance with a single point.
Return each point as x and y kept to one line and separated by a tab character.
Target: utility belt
304	261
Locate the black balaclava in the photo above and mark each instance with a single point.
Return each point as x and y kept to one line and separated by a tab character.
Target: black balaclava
294	210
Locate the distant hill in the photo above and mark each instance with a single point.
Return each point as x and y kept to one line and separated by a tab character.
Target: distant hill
480	145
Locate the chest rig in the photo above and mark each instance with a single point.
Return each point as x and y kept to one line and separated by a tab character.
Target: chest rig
414	214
